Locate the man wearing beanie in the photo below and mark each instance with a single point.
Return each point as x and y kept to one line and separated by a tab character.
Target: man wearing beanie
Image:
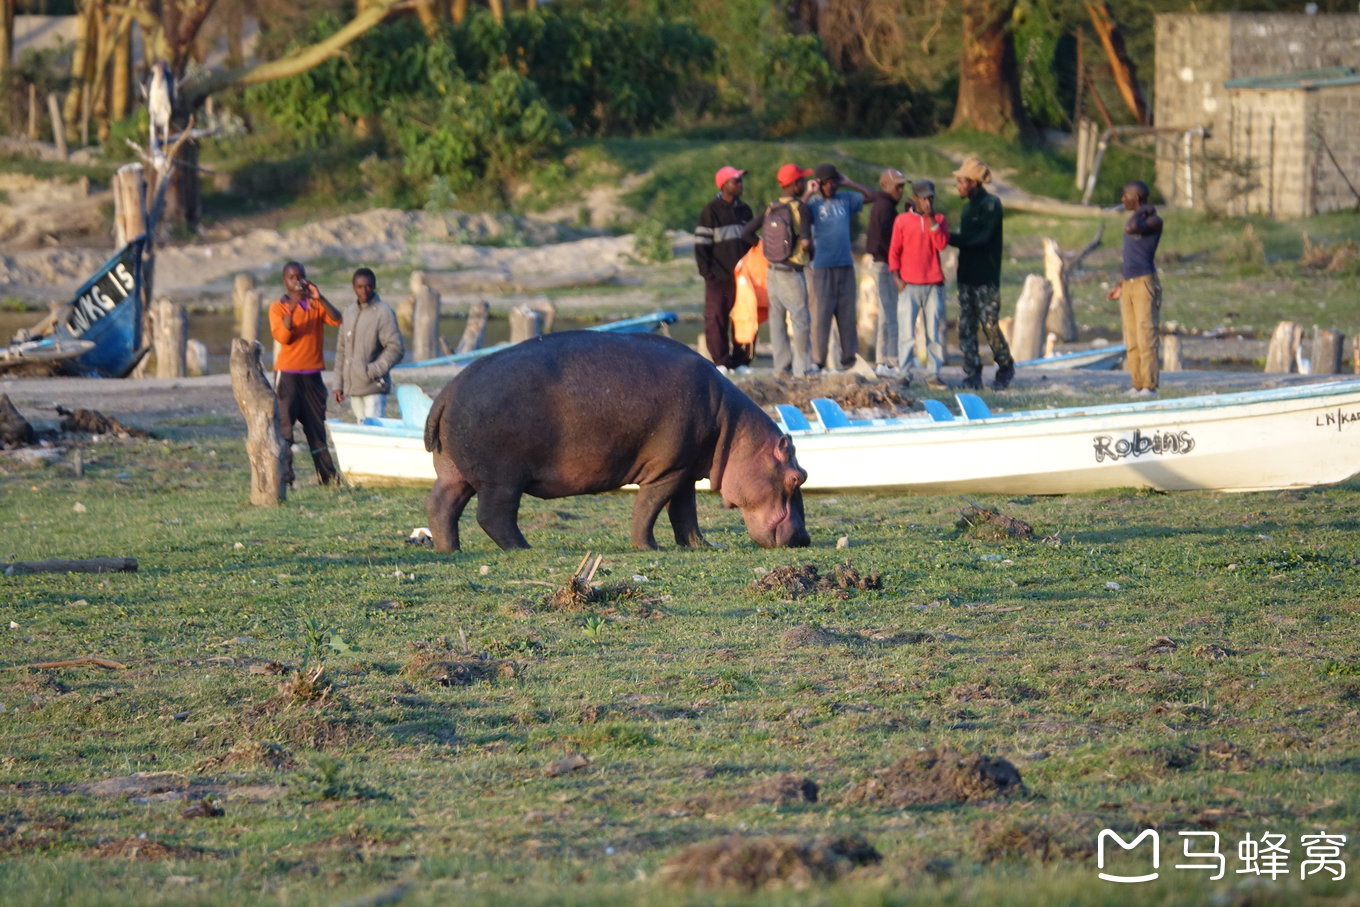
833	268
718	246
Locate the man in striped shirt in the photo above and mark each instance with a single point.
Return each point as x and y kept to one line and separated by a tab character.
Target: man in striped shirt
718	246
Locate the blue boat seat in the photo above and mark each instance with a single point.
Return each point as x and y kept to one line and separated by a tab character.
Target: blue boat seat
830	412
973	407
415	405
938	411
793	418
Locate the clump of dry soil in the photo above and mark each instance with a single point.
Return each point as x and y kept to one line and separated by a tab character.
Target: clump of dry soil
798	581
751	863
935	776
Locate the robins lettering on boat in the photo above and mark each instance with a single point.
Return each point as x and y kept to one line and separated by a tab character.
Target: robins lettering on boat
1157	444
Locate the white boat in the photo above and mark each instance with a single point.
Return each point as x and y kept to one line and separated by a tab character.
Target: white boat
1288	437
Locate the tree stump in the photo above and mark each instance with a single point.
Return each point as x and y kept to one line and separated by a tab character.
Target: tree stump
1171	353
525	324
171	325
14	428
425	326
867	314
260	406
58	124
1031	315
1355	355
406	316
196	358
1327	347
245	304
1061	319
1283	355
547	312
475	332
129	204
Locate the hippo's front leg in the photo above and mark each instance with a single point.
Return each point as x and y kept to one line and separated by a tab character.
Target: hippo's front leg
498	515
650	499
684	514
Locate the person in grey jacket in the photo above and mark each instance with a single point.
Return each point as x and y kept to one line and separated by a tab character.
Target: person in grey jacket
370	344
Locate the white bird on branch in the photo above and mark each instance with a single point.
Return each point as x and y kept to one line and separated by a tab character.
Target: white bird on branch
160	106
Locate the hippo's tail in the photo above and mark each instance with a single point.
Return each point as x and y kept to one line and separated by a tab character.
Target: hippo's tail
432	423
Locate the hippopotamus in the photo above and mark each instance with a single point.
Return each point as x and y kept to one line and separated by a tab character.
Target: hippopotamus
581	412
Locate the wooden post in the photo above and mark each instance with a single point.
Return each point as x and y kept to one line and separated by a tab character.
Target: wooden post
1031	314
1327	347
171	326
1061	319
33	132
425	327
129	204
260	406
475	332
196	358
525	324
246	302
1171	353
547	310
58	124
1355	355
866	313
1283	354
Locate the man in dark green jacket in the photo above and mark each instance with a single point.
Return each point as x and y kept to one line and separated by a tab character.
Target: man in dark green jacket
979	241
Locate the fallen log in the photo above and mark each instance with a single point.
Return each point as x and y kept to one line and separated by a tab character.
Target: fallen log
84	565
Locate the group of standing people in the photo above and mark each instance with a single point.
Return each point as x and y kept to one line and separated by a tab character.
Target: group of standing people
808	227
368	346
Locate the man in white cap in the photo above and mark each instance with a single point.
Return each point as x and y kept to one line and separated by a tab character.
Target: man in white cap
979	276
718	246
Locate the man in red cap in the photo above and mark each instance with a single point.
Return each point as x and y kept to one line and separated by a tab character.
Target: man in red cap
718	246
785	230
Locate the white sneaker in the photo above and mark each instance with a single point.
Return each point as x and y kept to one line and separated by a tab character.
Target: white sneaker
722	369
883	370
743	370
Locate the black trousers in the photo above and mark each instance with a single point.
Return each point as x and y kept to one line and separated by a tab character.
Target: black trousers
302	398
719	297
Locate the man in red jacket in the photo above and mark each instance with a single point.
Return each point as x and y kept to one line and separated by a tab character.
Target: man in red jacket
919	235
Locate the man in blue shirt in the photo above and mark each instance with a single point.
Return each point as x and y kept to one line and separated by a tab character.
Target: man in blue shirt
833	268
1140	292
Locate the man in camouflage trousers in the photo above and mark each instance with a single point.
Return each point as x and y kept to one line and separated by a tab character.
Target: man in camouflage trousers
979	277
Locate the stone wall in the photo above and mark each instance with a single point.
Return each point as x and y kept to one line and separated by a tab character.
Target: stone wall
1197	53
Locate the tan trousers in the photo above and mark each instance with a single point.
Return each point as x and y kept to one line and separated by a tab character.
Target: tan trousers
1140	308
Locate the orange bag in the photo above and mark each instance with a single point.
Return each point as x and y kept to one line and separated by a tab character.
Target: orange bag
752	306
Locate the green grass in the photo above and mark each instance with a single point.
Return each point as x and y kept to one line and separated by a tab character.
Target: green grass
681	693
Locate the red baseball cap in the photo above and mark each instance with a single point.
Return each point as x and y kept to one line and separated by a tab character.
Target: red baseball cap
790	174
727	173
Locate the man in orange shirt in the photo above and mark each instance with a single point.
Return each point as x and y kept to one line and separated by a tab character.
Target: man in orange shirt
298	321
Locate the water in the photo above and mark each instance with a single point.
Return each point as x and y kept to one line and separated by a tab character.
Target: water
217	329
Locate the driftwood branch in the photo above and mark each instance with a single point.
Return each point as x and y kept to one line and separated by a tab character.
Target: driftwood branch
73	663
86	565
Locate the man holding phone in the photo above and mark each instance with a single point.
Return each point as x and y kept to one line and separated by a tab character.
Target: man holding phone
298	321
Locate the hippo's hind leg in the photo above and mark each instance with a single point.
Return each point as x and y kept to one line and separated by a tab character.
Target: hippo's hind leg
498	515
445	504
684	514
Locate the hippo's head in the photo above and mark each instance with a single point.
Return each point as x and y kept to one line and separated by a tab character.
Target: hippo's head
767	486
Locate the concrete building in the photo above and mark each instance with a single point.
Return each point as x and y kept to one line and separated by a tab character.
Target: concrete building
1279	97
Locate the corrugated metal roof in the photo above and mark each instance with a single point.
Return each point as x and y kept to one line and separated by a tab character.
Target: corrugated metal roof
1293	81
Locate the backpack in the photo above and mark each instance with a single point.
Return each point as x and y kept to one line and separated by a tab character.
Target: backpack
777	234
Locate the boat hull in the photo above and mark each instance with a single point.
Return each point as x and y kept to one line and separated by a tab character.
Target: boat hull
1256	441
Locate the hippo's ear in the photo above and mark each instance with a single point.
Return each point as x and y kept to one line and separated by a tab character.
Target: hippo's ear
783	450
